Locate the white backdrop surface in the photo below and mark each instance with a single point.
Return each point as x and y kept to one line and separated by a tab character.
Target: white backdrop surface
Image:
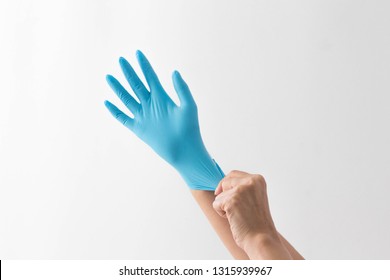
295	90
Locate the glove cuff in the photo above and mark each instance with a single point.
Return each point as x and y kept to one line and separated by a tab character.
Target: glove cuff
203	174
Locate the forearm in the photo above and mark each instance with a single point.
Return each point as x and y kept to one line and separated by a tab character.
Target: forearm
266	247
259	249
221	226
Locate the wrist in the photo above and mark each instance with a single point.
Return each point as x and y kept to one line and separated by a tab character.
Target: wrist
265	246
199	170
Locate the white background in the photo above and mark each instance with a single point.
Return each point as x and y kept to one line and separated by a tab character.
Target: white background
295	90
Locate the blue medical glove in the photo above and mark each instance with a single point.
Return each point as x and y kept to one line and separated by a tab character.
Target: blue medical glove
171	131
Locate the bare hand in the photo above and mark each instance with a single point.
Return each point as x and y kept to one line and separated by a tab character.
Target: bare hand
242	199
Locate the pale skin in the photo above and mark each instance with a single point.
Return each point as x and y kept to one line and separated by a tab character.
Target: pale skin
238	210
239	213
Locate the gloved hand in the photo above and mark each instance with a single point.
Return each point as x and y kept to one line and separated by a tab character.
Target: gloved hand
171	131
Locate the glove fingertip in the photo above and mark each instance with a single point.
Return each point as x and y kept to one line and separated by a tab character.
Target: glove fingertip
109	78
121	60
176	73
107	103
139	54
